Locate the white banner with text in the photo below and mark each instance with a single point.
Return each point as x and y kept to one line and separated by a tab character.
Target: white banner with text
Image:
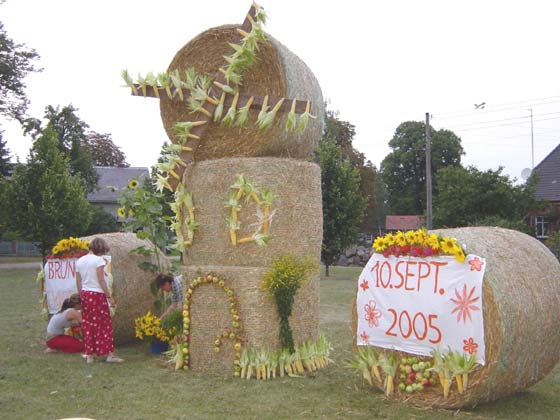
418	304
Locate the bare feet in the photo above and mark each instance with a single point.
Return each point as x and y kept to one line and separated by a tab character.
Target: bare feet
114	359
49	350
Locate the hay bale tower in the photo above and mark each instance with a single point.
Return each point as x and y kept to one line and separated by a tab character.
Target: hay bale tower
273	159
278	73
521	309
131	284
296	228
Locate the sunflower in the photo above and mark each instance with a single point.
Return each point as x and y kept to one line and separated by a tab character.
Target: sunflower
448	246
379	244
121	213
133	184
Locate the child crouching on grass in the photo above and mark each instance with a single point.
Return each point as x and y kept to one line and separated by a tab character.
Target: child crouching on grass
68	316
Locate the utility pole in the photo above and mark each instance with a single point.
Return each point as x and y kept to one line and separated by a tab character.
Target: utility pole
532	145
428	174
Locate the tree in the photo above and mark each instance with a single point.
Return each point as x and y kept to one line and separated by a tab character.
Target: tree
70	134
103	151
343	132
5	165
15	63
468	196
45	201
404	169
343	207
101	222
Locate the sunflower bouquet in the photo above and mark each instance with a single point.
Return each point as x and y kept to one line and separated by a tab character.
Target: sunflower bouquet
149	328
418	243
69	248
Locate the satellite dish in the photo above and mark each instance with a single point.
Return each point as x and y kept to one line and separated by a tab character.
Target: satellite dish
525	174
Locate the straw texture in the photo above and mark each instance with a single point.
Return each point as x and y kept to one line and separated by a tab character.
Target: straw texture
521	307
278	73
297	225
210	315
131	284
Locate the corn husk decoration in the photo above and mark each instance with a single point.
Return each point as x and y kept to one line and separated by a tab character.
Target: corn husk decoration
176	355
191	79
263	111
178	84
169	168
460	366
232	222
291	118
243	113
266	198
183	129
230	115
165	82
162	181
441	367
151	80
266	121
304	119
129	81
143	84
219	108
176	149
260	239
388	364
244	362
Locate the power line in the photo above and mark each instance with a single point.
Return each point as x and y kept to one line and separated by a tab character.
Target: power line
497	108
500	125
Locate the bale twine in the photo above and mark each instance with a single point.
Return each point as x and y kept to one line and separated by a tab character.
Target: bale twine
210	315
297	225
131	284
521	308
278	73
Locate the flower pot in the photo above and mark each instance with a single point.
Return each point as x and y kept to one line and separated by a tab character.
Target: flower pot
158	347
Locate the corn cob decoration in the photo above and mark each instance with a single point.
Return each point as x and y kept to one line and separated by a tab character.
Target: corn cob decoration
389	365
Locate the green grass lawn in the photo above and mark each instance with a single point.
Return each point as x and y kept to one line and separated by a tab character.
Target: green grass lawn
34	385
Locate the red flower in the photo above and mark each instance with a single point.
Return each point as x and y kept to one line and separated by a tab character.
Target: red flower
464	304
364	285
364	336
372	313
476	264
470	346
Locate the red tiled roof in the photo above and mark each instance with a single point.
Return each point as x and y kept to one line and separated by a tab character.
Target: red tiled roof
403	222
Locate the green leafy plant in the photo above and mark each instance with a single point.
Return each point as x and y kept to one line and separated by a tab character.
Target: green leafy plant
173	323
282	281
143	211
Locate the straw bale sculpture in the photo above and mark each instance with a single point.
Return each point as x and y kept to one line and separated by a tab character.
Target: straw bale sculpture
244	115
521	311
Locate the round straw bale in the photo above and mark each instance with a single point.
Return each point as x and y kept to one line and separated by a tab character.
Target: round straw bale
521	308
297	225
210	315
131	284
278	73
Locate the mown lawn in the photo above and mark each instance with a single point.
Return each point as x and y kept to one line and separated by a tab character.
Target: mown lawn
34	385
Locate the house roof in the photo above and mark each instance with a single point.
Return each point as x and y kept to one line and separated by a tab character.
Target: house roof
548	183
398	222
116	177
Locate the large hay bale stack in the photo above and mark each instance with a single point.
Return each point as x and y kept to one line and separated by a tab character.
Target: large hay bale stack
278	73
131	284
296	228
521	308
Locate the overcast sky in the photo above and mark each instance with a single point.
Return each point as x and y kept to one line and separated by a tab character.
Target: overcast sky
379	63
